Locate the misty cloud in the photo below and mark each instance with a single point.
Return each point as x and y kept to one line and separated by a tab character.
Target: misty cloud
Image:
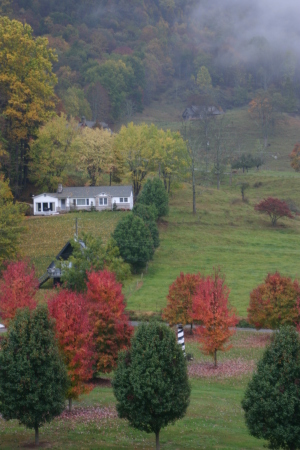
241	23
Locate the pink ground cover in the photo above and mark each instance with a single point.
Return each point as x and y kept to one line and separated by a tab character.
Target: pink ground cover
224	369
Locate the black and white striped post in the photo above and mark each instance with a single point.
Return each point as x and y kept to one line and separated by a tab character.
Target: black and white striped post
180	337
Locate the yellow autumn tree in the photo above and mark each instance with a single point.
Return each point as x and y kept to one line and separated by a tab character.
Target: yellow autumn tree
27	91
11	216
52	157
138	146
94	154
171	155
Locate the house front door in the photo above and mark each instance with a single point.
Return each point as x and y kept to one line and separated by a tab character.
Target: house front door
63	203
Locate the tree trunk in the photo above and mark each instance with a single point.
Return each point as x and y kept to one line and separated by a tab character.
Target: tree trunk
194	191
218	180
215	358
37	441
157	440
70	404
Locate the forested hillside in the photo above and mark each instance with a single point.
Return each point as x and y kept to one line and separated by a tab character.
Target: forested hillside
108	60
115	56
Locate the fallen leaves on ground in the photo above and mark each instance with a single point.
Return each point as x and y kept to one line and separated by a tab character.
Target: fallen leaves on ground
226	369
89	414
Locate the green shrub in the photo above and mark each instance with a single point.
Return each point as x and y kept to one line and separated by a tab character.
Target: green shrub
134	240
151	381
272	399
154	193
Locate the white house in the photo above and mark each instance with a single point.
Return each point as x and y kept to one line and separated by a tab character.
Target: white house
83	198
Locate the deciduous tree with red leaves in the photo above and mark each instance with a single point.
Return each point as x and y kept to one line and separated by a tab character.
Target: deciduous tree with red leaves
179	306
18	287
110	326
274	302
69	310
275	209
211	308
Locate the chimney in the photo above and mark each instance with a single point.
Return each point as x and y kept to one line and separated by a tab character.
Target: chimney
59	188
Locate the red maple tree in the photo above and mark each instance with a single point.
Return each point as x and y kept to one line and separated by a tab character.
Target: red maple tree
179	305
18	287
69	309
274	302
275	209
110	326
211	309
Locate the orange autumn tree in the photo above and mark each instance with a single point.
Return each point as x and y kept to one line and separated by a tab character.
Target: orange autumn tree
111	330
274	302
179	306
211	308
295	157
18	287
69	310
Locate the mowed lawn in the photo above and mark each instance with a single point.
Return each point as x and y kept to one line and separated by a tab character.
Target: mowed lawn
225	232
214	419
45	236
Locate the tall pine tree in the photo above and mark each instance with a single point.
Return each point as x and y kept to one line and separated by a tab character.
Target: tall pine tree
33	377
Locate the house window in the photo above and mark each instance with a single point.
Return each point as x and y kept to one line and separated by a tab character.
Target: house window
88	201
74	202
103	201
45	206
121	199
81	202
39	206
125	200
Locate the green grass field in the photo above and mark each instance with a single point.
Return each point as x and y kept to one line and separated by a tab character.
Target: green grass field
214	419
46	236
225	232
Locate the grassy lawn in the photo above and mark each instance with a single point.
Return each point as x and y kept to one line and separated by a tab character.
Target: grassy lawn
225	232
46	236
214	419
167	114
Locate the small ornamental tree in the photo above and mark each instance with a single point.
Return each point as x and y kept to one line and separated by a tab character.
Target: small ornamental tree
110	326
211	308
272	399
179	307
295	157
134	241
73	332
92	256
275	209
33	376
274	302
151	382
18	287
154	193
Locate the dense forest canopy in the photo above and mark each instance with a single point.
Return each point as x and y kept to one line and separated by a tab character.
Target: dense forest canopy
115	52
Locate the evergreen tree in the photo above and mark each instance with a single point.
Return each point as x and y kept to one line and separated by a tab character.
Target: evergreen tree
149	216
134	240
272	399
33	377
151	382
154	193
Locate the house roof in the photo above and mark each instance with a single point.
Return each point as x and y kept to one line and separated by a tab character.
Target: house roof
193	112
91	191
